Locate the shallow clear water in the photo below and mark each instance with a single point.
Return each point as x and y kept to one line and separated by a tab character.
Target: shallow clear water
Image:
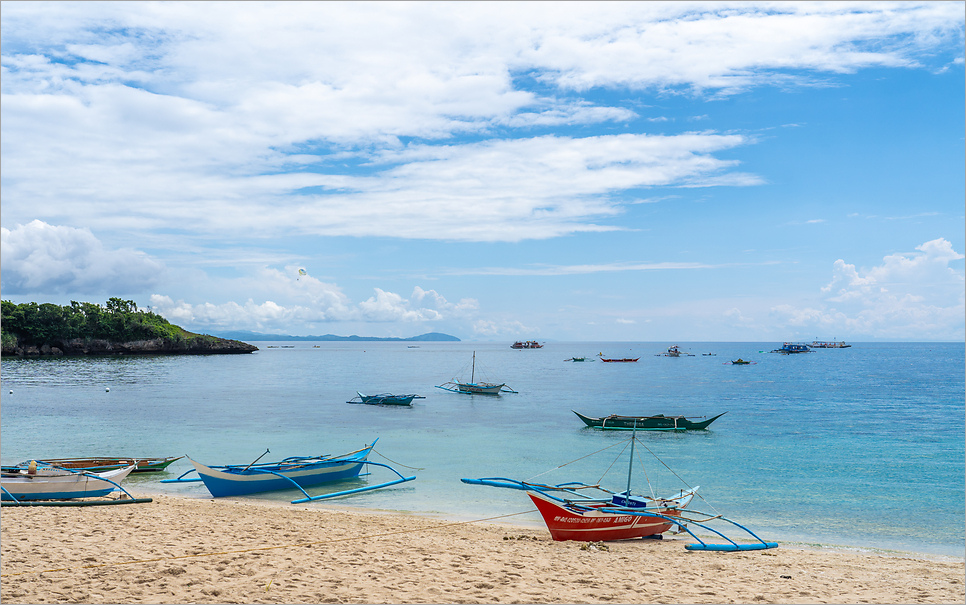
858	447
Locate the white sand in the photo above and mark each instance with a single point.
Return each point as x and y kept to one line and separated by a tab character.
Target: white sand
178	550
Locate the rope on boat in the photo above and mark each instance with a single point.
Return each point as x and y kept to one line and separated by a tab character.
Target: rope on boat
614	462
261	548
577	460
414	468
678	476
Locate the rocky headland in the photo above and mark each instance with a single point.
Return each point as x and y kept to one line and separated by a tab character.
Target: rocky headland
194	344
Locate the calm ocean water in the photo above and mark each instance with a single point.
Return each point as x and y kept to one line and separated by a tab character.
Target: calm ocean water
860	447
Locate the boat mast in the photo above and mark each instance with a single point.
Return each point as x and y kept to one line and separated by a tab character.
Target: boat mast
630	464
473	371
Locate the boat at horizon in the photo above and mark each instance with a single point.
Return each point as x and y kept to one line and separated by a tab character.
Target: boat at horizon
789	348
657	422
674	351
616	360
526	344
824	344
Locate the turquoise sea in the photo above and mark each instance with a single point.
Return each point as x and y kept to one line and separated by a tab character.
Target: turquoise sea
860	447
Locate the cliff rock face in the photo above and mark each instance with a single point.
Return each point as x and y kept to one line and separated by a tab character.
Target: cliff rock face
196	345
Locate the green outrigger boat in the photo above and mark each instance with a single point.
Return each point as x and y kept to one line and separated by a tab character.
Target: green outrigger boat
100	465
658	422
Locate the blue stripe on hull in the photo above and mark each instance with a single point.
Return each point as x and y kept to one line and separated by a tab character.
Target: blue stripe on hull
57	495
220	486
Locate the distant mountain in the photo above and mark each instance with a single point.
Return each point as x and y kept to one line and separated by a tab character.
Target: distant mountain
246	336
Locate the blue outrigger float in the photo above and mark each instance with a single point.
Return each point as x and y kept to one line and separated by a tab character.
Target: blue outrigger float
297	472
572	514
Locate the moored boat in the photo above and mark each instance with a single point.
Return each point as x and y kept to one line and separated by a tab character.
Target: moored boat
620	360
103	464
297	472
473	387
526	344
824	344
38	482
789	348
740	362
658	422
384	399
674	351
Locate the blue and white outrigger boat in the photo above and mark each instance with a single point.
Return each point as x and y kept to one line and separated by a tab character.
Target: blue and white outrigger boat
297	472
580	511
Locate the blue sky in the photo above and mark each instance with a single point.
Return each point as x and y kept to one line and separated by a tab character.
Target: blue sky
629	171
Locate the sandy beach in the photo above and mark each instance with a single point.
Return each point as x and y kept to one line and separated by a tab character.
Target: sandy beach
177	550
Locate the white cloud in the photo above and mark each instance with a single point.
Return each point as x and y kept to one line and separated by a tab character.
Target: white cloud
313	302
389	306
909	296
502	327
48	259
181	115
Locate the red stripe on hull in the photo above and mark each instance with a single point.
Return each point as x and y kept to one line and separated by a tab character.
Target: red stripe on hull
595	526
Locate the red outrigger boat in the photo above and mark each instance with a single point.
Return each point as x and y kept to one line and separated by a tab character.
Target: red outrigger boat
594	522
571	514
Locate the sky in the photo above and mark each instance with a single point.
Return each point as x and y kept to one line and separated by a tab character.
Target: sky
495	171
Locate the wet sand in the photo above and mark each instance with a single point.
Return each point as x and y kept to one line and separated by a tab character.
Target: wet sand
177	550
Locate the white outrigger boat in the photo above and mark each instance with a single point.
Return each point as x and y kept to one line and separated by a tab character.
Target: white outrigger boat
473	387
33	485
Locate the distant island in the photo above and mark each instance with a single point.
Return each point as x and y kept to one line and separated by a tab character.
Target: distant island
117	328
257	336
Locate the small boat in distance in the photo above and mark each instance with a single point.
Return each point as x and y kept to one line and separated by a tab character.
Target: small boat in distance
526	344
741	362
101	465
789	348
824	344
674	351
384	399
616	360
658	422
296	472
473	387
578	359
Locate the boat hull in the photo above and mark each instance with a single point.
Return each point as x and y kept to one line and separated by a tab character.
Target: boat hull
53	484
647	423
100	465
574	523
625	360
480	388
237	481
